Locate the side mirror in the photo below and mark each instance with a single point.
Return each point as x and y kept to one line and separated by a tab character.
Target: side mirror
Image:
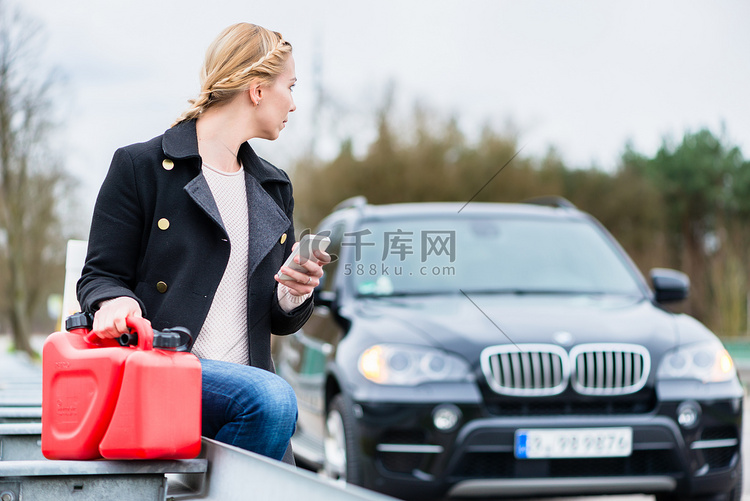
670	285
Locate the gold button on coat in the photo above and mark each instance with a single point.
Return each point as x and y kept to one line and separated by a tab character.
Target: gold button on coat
161	287
167	164
163	223
283	238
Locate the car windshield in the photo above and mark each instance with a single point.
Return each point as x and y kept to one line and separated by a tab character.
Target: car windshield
484	254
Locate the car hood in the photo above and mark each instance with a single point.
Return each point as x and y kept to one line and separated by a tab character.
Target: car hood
468	324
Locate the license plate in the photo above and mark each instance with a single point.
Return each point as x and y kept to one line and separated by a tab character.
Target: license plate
574	443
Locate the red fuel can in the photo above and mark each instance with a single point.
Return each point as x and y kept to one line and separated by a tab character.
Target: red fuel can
101	399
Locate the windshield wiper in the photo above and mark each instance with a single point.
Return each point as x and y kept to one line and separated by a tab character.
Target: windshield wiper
541	292
409	294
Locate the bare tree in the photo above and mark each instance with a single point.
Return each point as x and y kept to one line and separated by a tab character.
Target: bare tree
31	181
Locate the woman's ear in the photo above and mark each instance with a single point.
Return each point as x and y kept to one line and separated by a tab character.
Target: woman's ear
255	93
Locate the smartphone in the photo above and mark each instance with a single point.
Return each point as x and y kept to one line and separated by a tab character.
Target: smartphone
307	245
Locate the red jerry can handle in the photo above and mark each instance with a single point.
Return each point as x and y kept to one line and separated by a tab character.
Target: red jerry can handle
142	327
141	335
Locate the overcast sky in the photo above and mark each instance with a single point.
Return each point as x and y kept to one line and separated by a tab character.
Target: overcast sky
582	76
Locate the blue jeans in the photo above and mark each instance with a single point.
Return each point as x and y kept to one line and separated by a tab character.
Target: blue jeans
247	407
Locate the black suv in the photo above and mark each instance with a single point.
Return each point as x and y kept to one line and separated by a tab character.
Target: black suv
506	350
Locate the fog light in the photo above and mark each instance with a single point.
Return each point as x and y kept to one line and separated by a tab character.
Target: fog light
688	414
446	417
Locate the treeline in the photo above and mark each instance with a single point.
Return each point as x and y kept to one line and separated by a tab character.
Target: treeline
686	207
35	190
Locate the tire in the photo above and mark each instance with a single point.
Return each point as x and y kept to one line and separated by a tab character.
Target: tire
341	455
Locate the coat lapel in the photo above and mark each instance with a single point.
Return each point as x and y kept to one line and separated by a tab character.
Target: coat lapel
267	222
200	192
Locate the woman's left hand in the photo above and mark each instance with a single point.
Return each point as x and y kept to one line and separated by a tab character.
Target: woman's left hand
304	282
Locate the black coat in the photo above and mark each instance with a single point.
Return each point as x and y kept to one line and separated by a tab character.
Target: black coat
157	236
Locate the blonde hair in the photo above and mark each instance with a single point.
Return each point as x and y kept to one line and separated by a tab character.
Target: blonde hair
242	54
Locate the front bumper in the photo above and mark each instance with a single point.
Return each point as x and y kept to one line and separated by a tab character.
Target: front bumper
406	456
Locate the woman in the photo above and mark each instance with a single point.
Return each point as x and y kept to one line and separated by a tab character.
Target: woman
191	229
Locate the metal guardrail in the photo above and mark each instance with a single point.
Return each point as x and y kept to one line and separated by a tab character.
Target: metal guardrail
220	473
20	383
238	474
45	480
20	441
15	414
225	473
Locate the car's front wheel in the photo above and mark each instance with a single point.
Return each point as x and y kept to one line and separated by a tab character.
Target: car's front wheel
341	459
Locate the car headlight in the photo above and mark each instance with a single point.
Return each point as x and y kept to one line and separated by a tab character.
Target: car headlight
408	365
708	362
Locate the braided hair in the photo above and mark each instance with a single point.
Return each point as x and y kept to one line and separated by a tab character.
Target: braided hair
242	54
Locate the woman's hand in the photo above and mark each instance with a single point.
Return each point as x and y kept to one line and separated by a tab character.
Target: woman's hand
109	319
304	282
